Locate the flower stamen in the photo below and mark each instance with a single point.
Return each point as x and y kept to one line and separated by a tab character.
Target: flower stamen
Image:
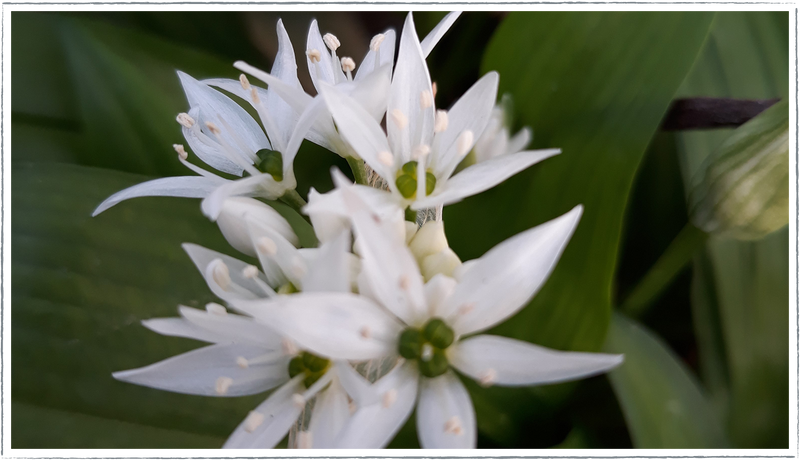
222	385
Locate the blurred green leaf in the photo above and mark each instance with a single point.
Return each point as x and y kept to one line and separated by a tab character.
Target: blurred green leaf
664	405
80	286
746	57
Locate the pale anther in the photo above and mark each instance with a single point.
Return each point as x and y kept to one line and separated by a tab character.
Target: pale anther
389	398
314	55
375	43
488	377
405	283
453	426
298	400
267	246
245	82
399	118
254	95
181	151
425	99
352	406
464	142
466	308
185	120
250	272
242	362
288	347
298	267
433	89
254	420
221	274
331	41
441	121
216	309
420	151
348	64
386	158
213	128
365	332
222	385
304	440
427	352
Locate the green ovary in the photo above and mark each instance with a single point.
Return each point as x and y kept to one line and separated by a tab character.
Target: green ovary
312	366
427	345
406	181
270	162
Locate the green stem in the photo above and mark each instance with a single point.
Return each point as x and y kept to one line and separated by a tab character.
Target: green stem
359	171
411	215
663	272
293	199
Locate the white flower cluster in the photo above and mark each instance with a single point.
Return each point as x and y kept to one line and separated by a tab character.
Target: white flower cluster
356	333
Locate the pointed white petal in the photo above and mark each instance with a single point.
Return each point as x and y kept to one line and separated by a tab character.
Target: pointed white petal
331	411
283	260
359	129
180	327
410	81
284	68
445	416
386	52
207	150
327	225
239	287
519	141
372	426
334	325
261	185
482	176
321	71
182	186
394	277
235	328
233	218
498	360
379	202
471	113
430	40
372	91
504	279
204	371
360	389
330	271
308	118
268	423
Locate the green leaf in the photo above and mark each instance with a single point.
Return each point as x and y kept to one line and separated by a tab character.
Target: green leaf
663	403
595	85
746	57
80	287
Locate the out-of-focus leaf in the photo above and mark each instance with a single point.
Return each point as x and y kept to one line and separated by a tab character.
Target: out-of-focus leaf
742	191
746	57
80	286
590	84
663	403
45	428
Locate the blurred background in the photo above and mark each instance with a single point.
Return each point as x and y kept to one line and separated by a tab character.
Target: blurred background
705	332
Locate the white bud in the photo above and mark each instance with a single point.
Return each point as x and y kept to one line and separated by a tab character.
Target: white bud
216	309
375	43
331	41
429	239
440	124
399	118
222	385
314	55
254	420
464	142
181	151
348	64
244	82
185	120
233	221
425	99
444	262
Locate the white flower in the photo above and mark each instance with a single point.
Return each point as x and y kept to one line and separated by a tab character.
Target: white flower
227	138
368	88
427	324
420	153
235	214
495	139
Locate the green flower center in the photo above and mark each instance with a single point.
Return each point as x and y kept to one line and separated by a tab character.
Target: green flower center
427	346
407	180
270	162
312	366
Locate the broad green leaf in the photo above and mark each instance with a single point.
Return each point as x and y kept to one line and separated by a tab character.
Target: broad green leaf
80	287
595	85
663	403
742	191
45	428
746	57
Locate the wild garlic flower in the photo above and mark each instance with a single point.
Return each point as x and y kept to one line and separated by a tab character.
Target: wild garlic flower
431	326
368	87
496	139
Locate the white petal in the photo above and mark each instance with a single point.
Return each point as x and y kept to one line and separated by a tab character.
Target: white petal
327	225
394	277
207	150
430	40
239	287
498	360
286	263
360	389
219	109
359	129
308	118
198	372
504	279
437	290
519	141
276	415
284	68
325	70
482	176
330	271
182	186
235	328
445	416
372	91
373	426
410	80
471	112
331	411
233	218
386	52
261	185
379	202
334	325
180	327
